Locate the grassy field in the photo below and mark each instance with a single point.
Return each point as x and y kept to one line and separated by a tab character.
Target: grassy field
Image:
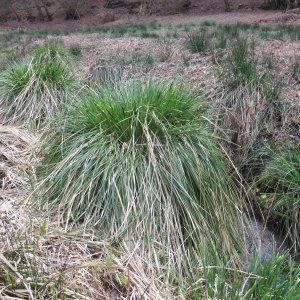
156	161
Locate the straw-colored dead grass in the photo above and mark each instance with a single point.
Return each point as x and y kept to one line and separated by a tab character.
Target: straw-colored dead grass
40	261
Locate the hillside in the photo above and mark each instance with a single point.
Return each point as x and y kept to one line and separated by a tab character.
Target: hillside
54	12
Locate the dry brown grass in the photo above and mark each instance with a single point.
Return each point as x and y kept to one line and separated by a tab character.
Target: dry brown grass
40	260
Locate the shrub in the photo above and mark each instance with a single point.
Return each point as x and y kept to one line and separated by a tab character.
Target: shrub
198	42
138	162
279	190
33	91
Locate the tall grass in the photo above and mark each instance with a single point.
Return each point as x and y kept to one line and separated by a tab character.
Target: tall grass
139	163
250	109
198	42
245	116
279	193
295	69
33	91
241	68
277	278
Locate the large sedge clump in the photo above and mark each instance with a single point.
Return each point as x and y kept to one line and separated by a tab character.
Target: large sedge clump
33	91
138	163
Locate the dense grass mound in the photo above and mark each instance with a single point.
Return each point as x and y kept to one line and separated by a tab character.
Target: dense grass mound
279	187
33	91
138	161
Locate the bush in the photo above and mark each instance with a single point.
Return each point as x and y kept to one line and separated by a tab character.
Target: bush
33	91
138	162
279	190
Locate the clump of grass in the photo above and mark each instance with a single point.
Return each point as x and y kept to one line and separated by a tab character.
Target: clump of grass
246	116
277	278
279	190
165	53
106	75
139	163
221	40
241	68
198	42
33	91
295	69
75	51
136	59
269	61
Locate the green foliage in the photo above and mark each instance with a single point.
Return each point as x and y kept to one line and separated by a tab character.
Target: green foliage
7	57
136	59
141	154
241	68
75	51
198	42
269	61
33	91
279	190
277	278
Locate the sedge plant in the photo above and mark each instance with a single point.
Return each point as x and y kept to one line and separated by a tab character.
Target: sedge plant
276	278
138	162
33	91
279	193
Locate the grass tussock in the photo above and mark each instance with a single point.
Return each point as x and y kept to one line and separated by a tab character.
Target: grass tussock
198	42
295	69
139	163
32	92
244	117
279	190
242	68
277	278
